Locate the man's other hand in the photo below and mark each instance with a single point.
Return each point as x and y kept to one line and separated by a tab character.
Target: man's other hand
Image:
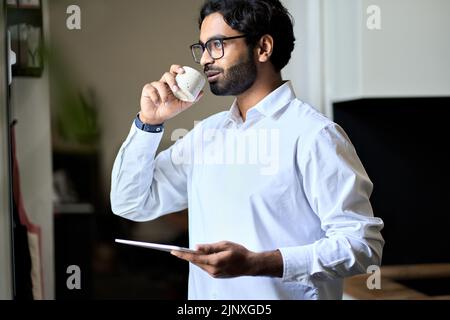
227	260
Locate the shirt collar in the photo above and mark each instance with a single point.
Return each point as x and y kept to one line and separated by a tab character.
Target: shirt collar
268	106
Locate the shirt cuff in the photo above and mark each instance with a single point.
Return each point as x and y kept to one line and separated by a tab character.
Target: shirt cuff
297	262
157	128
142	142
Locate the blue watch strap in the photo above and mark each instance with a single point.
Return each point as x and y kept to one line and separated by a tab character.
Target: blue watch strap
157	128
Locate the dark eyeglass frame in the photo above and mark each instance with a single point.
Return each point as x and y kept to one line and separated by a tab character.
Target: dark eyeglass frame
205	46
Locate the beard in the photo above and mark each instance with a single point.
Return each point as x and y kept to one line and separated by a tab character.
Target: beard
237	79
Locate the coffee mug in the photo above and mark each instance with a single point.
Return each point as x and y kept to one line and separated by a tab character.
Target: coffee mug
190	83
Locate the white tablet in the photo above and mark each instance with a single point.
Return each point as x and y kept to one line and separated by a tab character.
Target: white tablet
156	246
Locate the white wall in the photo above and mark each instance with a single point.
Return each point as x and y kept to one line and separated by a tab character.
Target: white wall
31	107
342	21
306	66
407	57
325	64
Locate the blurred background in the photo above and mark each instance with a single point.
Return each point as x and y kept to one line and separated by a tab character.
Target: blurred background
378	68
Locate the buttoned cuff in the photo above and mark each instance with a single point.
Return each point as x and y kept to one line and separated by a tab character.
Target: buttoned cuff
297	262
157	128
142	142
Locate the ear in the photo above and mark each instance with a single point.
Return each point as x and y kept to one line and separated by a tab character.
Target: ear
265	48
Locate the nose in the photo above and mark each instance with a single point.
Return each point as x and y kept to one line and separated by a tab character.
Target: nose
206	58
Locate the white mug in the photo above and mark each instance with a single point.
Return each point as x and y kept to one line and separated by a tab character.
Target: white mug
190	83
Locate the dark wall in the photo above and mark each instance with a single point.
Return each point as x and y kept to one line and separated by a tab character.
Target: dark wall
404	146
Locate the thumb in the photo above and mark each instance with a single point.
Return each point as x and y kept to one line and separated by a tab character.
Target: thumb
205	248
200	95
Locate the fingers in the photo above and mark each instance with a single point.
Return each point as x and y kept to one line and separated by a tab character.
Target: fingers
213	272
214	247
151	93
205	248
168	81
198	258
191	257
200	95
163	91
176	68
210	263
169	77
166	86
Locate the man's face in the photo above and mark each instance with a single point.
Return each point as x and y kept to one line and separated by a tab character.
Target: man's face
236	71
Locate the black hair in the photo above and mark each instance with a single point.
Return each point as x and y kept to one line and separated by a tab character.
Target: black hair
256	18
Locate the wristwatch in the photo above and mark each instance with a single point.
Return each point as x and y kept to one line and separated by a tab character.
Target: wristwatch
155	128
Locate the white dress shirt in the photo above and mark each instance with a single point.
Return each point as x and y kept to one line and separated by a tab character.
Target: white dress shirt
287	178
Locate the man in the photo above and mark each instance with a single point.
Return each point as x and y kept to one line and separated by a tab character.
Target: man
289	229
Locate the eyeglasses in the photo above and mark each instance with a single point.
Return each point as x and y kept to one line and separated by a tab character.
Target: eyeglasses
214	47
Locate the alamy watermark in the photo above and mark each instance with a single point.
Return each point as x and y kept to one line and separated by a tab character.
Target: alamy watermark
374	17
374	280
74	280
73	21
208	146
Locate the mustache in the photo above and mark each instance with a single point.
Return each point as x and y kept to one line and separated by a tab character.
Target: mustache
208	68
